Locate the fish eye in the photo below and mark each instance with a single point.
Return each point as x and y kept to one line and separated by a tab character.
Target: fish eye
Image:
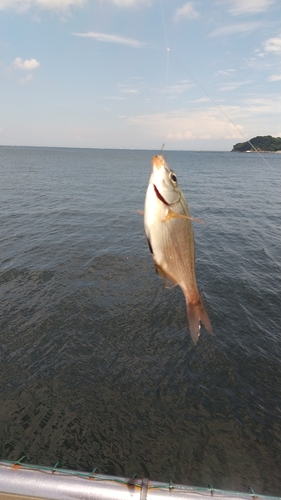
173	177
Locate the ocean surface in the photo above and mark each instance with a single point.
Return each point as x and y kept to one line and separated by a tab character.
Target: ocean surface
97	365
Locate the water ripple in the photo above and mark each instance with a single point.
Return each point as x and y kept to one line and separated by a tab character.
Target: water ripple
98	368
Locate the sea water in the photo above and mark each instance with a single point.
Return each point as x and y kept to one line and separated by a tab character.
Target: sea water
97	364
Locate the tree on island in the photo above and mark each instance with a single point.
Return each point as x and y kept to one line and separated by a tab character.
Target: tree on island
260	143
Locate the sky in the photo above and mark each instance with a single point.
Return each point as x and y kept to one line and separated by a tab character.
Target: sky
199	75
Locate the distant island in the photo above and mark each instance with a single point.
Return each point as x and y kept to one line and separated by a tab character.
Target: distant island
261	143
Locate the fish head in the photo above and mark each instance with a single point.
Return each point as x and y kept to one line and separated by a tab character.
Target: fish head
164	181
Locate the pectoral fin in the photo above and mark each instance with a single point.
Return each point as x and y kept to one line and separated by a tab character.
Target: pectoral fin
173	215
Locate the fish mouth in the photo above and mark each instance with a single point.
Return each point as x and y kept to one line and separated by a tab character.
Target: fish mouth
157	161
160	197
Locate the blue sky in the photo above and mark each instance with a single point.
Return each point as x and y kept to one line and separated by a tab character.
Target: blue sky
140	73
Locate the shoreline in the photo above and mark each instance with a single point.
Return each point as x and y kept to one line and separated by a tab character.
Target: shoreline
258	151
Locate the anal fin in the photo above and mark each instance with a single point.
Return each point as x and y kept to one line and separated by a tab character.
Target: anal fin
168	282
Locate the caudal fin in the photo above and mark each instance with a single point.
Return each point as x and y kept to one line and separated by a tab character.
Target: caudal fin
196	314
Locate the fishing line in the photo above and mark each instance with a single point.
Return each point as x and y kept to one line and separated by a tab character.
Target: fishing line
167	66
168	51
222	111
166	41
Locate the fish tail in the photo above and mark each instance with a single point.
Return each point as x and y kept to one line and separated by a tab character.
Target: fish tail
196	313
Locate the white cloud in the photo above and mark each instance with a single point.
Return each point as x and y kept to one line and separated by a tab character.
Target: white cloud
104	37
237	7
23	5
232	85
131	87
273	45
113	98
181	136
127	89
232	29
263	106
202	99
208	123
60	5
225	72
130	3
26	79
274	78
27	65
187	11
181	88
184	125
130	91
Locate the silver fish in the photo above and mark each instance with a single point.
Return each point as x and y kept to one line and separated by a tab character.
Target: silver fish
169	233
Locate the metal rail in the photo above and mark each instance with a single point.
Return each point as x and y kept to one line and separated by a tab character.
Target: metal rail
25	481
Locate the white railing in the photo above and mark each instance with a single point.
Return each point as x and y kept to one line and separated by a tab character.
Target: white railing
33	481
